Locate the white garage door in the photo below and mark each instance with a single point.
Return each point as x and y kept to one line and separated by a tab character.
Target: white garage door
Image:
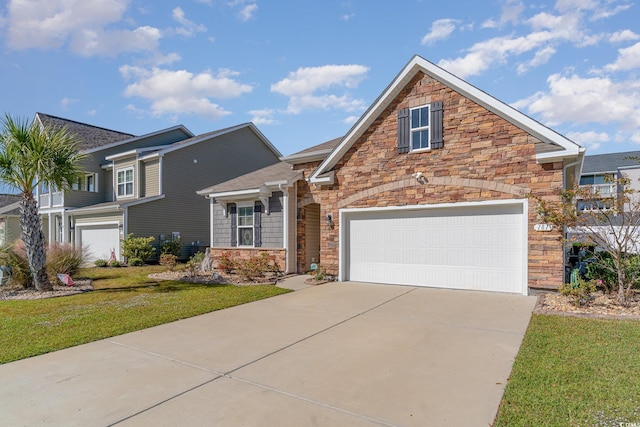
99	240
478	247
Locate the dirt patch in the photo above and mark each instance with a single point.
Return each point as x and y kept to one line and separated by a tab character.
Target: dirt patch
602	306
215	277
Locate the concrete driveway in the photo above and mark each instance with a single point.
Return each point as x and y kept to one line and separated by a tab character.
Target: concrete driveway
337	354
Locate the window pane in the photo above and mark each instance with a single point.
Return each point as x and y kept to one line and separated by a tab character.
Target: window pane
598	179
129	175
415	119
424	117
245	236
129	188
586	180
120	177
420	139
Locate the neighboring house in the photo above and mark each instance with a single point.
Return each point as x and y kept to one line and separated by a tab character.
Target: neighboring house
428	188
146	185
9	218
600	170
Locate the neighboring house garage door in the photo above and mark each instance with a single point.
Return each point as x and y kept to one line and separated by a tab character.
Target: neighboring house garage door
99	240
462	246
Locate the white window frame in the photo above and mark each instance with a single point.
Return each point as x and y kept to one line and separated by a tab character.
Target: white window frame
124	183
93	176
239	227
418	129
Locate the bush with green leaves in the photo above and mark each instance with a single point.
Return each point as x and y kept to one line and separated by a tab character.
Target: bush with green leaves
134	262
604	271
254	267
173	247
101	262
580	291
194	263
114	263
138	247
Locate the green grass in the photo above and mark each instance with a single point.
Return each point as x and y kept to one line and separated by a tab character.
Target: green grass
123	300
575	372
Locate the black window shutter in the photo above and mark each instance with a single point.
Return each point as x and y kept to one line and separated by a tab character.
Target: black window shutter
437	140
257	227
404	131
233	210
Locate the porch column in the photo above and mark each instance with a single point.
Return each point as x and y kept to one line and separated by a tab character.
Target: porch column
63	224
52	226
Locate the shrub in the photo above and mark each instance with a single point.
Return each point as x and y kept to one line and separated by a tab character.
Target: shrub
63	259
115	263
580	291
319	273
169	260
100	262
603	269
253	267
172	247
134	262
15	257
226	263
137	247
193	265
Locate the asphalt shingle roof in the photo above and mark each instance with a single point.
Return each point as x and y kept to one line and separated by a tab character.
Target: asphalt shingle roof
277	172
609	162
90	136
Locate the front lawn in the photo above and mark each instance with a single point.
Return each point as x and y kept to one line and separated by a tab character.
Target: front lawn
123	300
575	372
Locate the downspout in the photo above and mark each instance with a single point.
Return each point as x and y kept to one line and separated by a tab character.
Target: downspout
285	228
211	203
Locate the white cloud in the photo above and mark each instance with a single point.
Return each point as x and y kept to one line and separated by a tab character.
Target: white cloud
263	117
590	139
175	92
541	57
85	25
511	10
302	87
604	12
440	30
623	36
628	59
247	12
577	100
350	120
65	102
188	28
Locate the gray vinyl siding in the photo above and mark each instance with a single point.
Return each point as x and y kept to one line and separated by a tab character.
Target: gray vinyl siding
150	177
80	198
272	225
124	164
107	186
216	160
99	217
152	141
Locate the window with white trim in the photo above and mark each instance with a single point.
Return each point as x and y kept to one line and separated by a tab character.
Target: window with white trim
245	225
90	181
420	129
125	182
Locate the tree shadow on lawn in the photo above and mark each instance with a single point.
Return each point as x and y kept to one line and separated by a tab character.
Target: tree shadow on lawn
165	286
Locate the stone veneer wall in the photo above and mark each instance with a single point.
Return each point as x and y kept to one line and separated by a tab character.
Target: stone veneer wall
484	158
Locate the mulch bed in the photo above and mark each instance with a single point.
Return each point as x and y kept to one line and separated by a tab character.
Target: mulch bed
8	292
602	306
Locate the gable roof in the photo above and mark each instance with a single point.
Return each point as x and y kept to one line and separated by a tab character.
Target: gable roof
272	175
610	162
315	153
10	204
554	146
90	136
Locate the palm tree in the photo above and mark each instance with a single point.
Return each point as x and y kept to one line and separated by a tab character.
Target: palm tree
31	155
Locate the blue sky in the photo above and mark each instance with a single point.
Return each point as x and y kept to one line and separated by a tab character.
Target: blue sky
303	71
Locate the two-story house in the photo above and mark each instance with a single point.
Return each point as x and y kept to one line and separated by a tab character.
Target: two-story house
599	172
146	185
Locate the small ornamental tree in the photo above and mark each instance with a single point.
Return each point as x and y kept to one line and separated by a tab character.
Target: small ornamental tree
137	247
610	223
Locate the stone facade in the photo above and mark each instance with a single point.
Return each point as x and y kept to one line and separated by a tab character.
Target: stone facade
275	255
484	158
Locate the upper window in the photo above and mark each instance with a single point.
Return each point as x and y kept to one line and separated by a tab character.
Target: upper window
420	128
245	225
91	183
125	182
